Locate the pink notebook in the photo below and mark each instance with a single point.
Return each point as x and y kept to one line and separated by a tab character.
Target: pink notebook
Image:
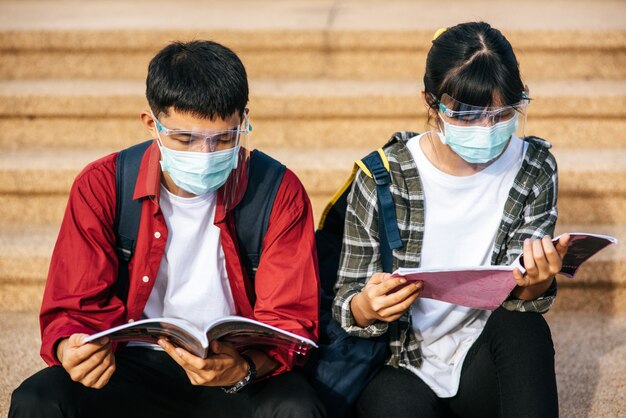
486	287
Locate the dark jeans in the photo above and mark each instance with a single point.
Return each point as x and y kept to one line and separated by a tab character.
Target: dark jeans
508	372
149	383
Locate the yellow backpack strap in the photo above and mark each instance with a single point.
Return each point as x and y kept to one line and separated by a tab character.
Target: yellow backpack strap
337	195
366	170
357	164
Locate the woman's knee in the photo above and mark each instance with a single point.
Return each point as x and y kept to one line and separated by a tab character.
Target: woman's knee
526	330
397	392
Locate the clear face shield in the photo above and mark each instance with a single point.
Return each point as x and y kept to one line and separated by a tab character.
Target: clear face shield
460	114
200	160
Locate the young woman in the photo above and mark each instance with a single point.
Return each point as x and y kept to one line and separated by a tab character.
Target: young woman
469	191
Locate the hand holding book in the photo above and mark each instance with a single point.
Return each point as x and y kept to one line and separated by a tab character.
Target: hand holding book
486	287
224	367
543	261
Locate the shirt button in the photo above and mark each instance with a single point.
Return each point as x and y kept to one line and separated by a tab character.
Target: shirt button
145	279
157	235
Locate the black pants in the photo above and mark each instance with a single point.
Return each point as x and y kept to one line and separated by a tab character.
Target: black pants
149	383
508	372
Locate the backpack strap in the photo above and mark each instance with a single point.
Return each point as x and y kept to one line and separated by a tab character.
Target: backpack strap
252	214
127	210
376	166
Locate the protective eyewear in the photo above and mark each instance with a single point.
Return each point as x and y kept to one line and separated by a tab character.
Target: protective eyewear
204	141
459	113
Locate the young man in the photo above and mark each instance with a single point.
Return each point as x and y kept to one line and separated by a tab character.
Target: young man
186	264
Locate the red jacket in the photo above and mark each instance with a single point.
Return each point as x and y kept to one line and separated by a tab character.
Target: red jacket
80	290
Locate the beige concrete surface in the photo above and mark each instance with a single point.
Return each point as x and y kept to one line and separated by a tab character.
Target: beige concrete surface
303	39
309	14
362	63
590	360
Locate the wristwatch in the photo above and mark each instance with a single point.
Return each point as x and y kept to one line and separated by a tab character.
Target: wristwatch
249	378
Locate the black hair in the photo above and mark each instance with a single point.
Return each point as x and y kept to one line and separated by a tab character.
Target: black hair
473	63
202	78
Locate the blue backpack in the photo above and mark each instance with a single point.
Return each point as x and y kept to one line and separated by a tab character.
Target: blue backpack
343	365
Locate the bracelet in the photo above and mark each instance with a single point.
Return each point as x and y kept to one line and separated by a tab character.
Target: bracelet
249	378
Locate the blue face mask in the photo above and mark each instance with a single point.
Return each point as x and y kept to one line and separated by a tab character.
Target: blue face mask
199	172
478	144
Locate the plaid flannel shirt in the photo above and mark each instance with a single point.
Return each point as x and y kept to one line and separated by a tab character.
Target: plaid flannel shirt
529	212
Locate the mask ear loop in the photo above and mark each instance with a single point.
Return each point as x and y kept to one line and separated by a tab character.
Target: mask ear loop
158	128
441	127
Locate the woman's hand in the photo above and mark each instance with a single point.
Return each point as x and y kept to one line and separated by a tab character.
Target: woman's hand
224	367
542	260
375	302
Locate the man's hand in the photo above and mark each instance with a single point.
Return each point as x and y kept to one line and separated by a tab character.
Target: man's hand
224	367
91	364
375	302
542	260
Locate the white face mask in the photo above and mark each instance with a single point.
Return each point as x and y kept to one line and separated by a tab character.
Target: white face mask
478	144
199	172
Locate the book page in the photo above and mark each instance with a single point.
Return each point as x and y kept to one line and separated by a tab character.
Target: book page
475	287
582	247
486	287
248	333
179	332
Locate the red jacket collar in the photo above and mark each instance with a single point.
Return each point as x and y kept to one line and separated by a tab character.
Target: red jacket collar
149	177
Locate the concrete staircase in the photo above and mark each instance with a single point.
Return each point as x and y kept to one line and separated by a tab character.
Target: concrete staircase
330	80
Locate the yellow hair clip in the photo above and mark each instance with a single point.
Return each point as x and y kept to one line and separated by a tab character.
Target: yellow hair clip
439	32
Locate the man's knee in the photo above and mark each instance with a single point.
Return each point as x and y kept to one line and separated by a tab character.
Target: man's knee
44	394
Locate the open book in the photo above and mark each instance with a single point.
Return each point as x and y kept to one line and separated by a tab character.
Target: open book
241	332
486	287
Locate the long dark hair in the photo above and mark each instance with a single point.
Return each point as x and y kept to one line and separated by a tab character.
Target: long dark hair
473	63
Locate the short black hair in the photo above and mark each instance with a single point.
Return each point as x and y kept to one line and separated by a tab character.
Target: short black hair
472	62
202	78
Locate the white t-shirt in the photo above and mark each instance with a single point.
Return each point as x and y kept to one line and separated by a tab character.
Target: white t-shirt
462	216
192	282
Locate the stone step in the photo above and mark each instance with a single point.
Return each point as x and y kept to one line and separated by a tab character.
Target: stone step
600	285
34	183
296	114
311	39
